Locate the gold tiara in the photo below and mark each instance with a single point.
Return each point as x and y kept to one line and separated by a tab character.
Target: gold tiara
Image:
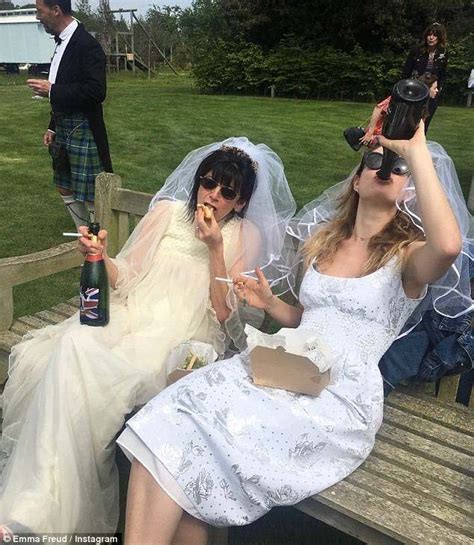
240	153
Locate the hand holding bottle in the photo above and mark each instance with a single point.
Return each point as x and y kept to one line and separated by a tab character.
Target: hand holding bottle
94	288
93	245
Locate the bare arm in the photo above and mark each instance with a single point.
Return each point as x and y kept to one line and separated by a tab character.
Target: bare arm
209	232
258	294
369	131
427	261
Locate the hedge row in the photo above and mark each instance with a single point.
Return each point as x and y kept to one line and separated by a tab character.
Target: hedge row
304	72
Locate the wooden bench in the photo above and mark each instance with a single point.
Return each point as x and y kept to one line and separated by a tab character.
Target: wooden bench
417	486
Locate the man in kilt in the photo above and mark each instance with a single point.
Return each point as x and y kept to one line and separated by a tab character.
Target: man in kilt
76	87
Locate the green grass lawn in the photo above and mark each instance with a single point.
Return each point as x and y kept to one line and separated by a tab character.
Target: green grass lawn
152	125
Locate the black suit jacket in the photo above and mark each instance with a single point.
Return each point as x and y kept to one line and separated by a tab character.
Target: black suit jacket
81	87
417	60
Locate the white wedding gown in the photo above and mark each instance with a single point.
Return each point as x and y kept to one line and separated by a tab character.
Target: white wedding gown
228	451
70	386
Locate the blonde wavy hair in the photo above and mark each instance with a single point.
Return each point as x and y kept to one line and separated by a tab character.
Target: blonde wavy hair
391	241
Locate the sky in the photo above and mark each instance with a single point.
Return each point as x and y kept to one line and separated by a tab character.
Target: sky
142	5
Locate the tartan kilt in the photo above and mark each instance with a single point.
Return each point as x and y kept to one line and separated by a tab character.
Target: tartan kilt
75	133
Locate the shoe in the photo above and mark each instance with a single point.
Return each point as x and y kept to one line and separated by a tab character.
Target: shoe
353	136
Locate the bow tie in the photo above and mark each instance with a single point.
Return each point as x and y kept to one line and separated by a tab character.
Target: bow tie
57	39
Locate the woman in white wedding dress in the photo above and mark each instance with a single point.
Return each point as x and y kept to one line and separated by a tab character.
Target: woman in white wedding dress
70	386
224	451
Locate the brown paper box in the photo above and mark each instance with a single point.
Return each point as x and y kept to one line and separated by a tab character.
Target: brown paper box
277	368
176	375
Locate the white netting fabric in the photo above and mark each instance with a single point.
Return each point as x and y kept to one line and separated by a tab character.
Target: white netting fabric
267	215
450	295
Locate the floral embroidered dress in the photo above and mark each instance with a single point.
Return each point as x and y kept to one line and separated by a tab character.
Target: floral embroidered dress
70	386
228	451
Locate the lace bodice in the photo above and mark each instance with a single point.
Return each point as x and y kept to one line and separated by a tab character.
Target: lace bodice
363	312
180	237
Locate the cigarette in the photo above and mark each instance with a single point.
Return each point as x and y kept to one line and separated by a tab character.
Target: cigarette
230	281
226	280
73	235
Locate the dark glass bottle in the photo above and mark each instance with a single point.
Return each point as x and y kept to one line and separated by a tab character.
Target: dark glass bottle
94	290
409	97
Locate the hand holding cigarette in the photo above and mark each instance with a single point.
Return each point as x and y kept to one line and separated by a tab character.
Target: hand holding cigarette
255	293
88	246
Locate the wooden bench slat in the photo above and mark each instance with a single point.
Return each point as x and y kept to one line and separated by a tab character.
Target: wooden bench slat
399	522
425	486
64	309
432	451
132	202
33	322
74	301
50	316
428	429
423	504
20	328
418	465
456	416
123	231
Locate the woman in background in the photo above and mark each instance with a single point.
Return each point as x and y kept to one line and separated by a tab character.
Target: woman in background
430	57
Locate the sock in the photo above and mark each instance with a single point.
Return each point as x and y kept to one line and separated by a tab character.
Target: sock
77	210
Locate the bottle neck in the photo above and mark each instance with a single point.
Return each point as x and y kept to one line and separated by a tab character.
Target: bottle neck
94	257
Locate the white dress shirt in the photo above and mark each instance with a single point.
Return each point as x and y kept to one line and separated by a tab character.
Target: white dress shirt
60	49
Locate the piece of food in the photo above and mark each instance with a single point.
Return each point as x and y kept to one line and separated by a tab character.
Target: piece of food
193	361
206	210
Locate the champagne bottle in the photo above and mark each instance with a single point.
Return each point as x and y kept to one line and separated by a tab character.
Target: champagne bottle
409	97
94	289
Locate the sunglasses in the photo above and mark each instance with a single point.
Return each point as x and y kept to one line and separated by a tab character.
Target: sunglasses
373	160
209	183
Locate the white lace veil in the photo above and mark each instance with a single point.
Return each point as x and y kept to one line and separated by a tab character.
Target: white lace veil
267	215
450	296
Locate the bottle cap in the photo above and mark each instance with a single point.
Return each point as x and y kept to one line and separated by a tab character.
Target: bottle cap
94	228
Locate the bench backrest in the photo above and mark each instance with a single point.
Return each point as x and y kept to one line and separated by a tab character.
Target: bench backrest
118	210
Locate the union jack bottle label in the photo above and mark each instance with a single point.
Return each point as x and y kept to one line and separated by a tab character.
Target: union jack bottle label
89	306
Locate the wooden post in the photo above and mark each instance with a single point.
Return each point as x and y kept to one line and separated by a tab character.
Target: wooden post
6	307
272	91
105	184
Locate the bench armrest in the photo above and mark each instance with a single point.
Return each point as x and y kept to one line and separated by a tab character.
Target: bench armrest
21	269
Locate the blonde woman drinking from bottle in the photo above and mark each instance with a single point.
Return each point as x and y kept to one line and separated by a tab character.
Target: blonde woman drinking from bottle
225	456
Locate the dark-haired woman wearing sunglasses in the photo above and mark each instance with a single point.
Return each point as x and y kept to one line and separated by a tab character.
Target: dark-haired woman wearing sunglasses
70	386
227	455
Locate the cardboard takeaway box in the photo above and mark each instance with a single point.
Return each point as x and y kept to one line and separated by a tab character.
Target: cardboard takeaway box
277	368
176	375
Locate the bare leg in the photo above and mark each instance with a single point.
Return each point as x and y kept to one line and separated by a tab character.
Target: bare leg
152	517
191	531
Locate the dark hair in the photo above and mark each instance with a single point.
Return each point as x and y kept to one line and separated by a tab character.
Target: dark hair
231	167
439	31
65	5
